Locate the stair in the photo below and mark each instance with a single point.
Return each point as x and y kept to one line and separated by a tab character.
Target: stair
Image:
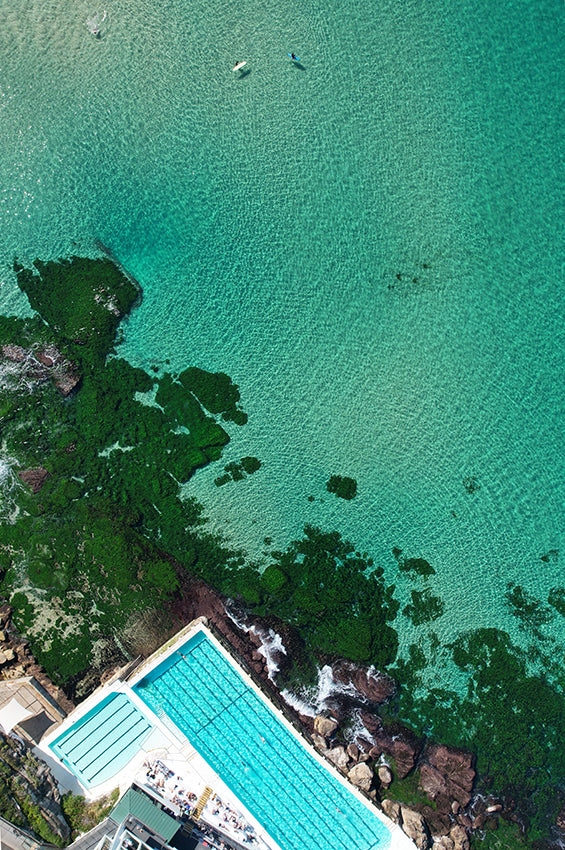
204	797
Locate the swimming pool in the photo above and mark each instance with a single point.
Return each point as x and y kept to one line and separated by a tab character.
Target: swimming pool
102	742
296	798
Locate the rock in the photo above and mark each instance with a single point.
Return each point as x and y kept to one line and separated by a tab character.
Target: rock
2	636
457	768
256	656
362	776
34	478
325	726
3	659
402	746
460	838
445	842
385	775
375	752
371	722
353	752
465	821
495	807
9	654
371	685
414	825
392	809
455	807
365	757
319	742
338	756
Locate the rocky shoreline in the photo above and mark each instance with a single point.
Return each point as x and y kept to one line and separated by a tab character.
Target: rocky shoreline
385	761
425	787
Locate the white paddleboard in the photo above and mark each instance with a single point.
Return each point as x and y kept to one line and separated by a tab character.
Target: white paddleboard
239	66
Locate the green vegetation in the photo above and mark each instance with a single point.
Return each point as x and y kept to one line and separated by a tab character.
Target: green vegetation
95	545
424	607
556	598
83	816
512	717
345	488
238	471
417	566
334	597
408	792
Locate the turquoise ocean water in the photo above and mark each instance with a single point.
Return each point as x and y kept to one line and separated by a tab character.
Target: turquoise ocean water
370	243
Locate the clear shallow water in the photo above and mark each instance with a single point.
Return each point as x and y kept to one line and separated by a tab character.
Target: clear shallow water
268	218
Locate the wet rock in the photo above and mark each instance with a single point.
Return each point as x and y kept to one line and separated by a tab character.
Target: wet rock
325	726
400	745
414	825
385	775
362	776
392	809
371	722
339	757
369	684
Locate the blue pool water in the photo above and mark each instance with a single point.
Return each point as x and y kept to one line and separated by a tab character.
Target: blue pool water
102	742
300	804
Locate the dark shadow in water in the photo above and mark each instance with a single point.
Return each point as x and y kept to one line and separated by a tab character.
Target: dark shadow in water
299	65
244	73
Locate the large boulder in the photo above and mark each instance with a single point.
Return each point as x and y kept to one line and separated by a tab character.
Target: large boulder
325	726
34	478
401	745
338	756
414	825
447	774
385	775
460	838
445	842
362	776
392	809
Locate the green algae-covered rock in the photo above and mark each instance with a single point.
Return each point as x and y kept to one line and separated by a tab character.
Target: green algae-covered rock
82	300
342	486
216	393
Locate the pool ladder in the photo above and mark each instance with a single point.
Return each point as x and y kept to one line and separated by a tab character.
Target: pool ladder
204	797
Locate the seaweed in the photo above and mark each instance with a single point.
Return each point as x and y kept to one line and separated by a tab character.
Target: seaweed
424	607
341	486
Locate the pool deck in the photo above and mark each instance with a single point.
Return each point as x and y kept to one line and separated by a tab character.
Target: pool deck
167	745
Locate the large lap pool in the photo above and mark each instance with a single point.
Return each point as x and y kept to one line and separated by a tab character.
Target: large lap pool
298	801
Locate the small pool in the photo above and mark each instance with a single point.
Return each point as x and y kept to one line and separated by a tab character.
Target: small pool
298	801
102	742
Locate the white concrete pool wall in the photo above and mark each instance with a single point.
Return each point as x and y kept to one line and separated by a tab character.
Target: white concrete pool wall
399	839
